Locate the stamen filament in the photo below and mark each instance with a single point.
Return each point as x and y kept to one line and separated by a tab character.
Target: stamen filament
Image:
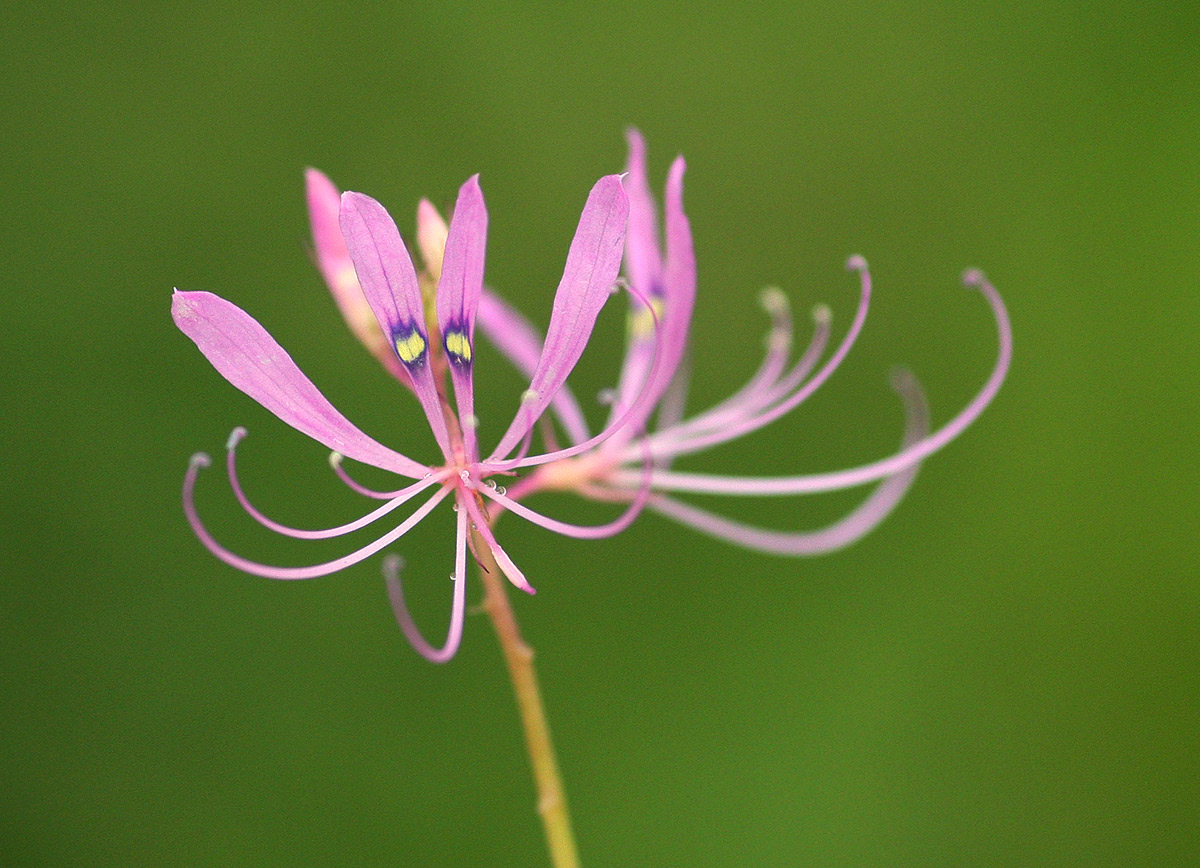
753	423
399	498
200	460
906	458
391	573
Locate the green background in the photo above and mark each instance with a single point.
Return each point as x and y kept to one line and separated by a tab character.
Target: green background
1004	674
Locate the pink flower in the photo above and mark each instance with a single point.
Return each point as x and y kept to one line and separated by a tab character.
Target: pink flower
612	469
424	347
427	338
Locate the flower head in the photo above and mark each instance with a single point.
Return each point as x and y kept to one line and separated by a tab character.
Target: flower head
422	328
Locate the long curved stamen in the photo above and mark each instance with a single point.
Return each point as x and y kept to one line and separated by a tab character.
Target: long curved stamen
335	461
578	531
636	406
861	521
391	574
906	458
200	460
399	498
762	391
753	423
510	569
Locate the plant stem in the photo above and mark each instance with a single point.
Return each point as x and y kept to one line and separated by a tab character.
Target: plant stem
552	800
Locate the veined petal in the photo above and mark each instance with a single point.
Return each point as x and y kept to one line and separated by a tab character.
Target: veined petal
643	261
333	261
517	339
458	293
643	269
679	288
592	265
244	354
390	285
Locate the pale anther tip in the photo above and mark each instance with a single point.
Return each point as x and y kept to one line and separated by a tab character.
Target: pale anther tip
529	396
856	263
471	421
235	437
822	314
973	277
200	459
392	565
335	458
774	300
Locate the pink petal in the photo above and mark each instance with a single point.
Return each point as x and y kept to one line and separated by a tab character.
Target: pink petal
458	293
591	270
678	296
244	354
390	285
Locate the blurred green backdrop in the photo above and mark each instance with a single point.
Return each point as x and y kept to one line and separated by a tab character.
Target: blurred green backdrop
1005	674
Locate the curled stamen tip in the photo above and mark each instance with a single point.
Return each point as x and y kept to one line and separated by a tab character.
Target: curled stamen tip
235	437
822	314
902	379
529	396
335	459
200	459
973	277
856	263
392	565
774	300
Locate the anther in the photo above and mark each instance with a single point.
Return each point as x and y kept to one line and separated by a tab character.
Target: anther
821	314
774	301
856	263
200	459
973	277
529	396
335	461
235	437
606	396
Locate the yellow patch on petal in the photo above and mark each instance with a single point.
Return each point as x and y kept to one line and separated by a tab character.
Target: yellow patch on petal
410	348
458	346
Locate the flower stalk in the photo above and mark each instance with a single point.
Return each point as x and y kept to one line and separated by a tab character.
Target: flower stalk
518	656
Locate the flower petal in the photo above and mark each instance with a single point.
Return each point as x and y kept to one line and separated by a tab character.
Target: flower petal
458	293
592	265
390	285
333	260
244	354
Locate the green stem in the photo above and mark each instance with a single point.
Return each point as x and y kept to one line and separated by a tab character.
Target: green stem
552	800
